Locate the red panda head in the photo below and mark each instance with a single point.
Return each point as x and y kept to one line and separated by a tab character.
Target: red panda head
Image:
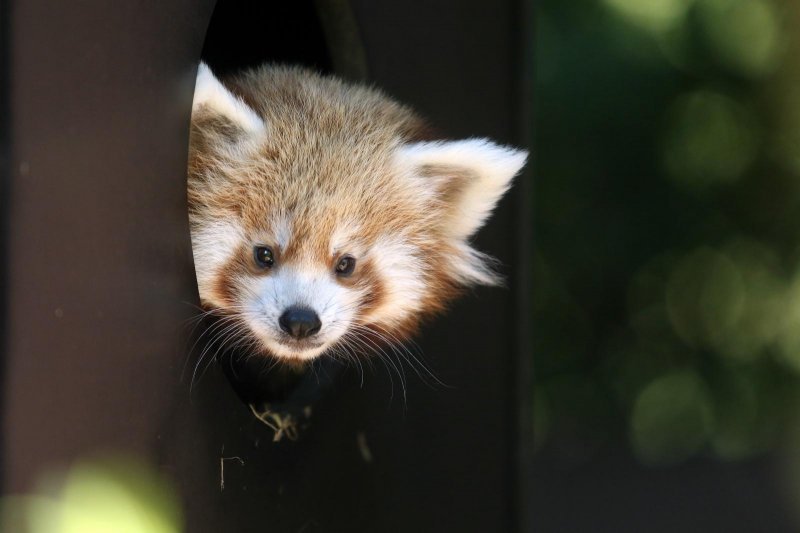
318	217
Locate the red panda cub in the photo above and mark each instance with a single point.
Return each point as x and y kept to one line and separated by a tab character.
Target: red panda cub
321	215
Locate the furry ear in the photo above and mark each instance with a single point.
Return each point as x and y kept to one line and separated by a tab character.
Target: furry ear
212	97
468	178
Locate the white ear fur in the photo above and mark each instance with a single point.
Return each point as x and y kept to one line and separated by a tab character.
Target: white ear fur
484	168
210	92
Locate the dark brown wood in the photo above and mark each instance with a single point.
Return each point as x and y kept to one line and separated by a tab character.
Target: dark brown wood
99	273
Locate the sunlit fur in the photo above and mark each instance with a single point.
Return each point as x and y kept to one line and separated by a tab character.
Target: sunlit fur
316	168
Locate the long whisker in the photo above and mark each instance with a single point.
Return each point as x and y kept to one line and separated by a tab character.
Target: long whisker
229	327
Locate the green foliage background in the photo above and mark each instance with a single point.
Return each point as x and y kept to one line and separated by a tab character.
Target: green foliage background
667	227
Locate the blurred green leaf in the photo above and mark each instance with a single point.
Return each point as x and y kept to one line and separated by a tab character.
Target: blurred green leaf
672	419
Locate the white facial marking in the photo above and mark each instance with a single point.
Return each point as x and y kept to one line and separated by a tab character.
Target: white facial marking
213	244
345	239
283	233
293	286
399	265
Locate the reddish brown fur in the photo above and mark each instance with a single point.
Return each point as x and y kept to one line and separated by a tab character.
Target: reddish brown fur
325	162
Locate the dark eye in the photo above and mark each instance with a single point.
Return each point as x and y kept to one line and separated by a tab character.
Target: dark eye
264	256
345	266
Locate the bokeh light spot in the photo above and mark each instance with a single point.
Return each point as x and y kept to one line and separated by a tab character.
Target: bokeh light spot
736	410
710	139
764	301
789	335
654	15
705	298
744	35
111	494
672	419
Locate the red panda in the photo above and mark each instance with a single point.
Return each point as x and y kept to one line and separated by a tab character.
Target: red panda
321	212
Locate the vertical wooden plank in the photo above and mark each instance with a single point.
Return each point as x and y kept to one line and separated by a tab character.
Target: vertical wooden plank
99	275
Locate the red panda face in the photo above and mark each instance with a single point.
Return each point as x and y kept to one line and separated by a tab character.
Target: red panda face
300	293
318	224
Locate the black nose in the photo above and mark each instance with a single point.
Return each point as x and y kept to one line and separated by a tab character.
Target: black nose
299	322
